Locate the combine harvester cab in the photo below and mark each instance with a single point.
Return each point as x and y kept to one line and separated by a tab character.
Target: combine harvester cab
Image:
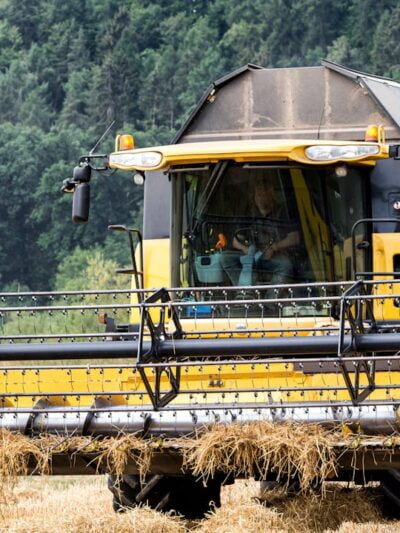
264	313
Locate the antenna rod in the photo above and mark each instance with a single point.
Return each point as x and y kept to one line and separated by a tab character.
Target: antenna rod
102	137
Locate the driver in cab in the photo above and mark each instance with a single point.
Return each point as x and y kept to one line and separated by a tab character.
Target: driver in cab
266	246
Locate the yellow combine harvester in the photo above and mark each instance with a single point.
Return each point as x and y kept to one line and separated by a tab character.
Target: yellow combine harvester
265	287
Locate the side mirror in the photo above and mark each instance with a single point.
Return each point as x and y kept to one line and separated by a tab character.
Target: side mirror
81	203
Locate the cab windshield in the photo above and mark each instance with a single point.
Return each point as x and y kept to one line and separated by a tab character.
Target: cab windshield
261	224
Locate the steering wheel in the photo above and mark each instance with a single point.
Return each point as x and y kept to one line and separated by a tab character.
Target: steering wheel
245	236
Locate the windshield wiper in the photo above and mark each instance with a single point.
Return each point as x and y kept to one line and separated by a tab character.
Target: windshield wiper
209	190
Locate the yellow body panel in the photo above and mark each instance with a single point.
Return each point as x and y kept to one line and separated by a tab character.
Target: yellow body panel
243	151
385	247
156	258
156	266
123	386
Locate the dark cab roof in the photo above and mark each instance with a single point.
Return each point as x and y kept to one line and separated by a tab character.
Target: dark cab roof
326	102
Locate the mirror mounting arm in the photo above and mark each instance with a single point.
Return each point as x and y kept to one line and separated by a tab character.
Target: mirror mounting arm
90	160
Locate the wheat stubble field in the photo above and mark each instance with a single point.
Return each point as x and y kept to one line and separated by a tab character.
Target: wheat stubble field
83	504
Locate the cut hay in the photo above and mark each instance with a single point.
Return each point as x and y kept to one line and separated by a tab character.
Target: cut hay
78	505
286	450
310	512
118	451
340	510
83	504
257	449
294	454
16	451
112	454
20	454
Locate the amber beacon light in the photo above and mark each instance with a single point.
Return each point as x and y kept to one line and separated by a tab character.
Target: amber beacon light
124	142
375	133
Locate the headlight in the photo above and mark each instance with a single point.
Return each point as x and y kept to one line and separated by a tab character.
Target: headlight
133	160
349	151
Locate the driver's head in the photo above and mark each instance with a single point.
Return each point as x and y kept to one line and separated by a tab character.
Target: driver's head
264	195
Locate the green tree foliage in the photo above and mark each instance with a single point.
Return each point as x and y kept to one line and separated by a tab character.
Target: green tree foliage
69	68
20	256
385	53
87	269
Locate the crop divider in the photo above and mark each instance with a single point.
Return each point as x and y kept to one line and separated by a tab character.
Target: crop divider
158	334
355	310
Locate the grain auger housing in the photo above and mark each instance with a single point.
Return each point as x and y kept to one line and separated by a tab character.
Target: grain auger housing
265	298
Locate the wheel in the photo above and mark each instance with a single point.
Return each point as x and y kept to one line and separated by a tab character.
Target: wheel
185	495
390	489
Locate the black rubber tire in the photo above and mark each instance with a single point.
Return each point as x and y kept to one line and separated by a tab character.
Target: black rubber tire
390	489
185	495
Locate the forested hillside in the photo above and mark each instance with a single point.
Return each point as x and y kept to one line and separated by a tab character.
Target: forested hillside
70	67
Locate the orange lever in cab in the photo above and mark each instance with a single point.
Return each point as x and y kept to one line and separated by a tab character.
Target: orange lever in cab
222	242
